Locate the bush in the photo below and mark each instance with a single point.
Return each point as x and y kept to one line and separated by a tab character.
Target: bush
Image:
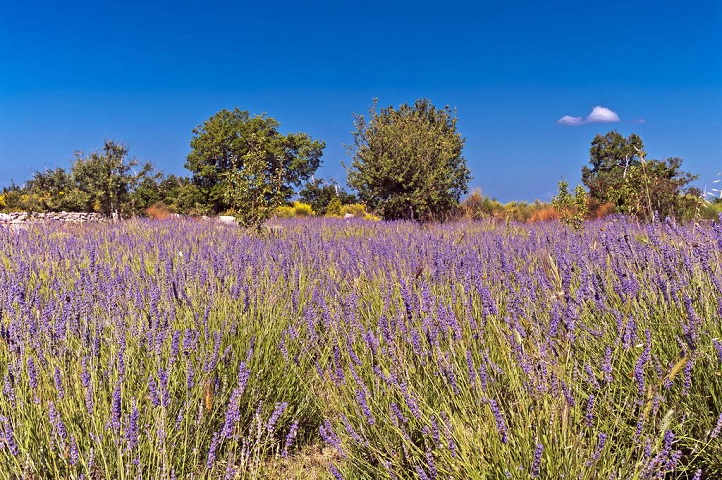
545	214
158	211
297	209
358	210
303	210
334	208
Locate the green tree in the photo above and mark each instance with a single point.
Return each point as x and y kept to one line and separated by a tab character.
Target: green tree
56	191
572	208
244	163
407	162
620	174
611	157
182	195
320	195
108	178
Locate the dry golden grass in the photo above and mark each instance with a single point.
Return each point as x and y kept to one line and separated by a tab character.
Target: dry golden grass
158	211
310	463
545	214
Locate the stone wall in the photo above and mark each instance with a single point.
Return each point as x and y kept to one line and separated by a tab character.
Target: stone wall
71	217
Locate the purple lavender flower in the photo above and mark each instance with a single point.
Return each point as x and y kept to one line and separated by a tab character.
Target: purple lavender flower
499	419
74	454
361	400
352	431
84	375
212	451
32	374
410	400
536	464
174	347
607	365
89	403
132	431
334	471
431	464
277	412
601	442
213	360
8	437
243	375
163	385
58	383
330	437
398	417
589	415
58	426
190	382
9	390
470	368
121	357
189	341
153	392
290	437
115	408
233	415
591	377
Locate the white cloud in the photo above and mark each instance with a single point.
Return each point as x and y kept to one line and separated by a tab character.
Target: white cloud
567	120
598	115
602	114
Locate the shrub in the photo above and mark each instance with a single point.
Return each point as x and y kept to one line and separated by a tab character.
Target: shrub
334	208
302	209
545	214
358	210
158	211
297	209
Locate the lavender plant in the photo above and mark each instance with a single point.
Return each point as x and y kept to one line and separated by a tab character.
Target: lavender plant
468	350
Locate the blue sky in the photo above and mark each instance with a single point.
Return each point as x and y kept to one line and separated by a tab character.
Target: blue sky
145	74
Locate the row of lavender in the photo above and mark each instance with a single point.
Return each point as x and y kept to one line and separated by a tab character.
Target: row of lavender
186	350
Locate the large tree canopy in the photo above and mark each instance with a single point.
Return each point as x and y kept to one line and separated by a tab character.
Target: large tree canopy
407	162
621	175
244	162
611	156
108	178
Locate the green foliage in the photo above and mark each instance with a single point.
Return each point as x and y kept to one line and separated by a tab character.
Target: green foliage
407	162
711	209
358	210
104	181
243	163
297	209
572	208
179	194
54	190
320	195
334	208
107	179
621	175
478	206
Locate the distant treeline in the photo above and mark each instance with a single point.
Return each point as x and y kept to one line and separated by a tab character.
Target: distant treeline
407	164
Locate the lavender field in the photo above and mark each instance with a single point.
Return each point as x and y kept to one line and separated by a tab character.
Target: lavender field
181	349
